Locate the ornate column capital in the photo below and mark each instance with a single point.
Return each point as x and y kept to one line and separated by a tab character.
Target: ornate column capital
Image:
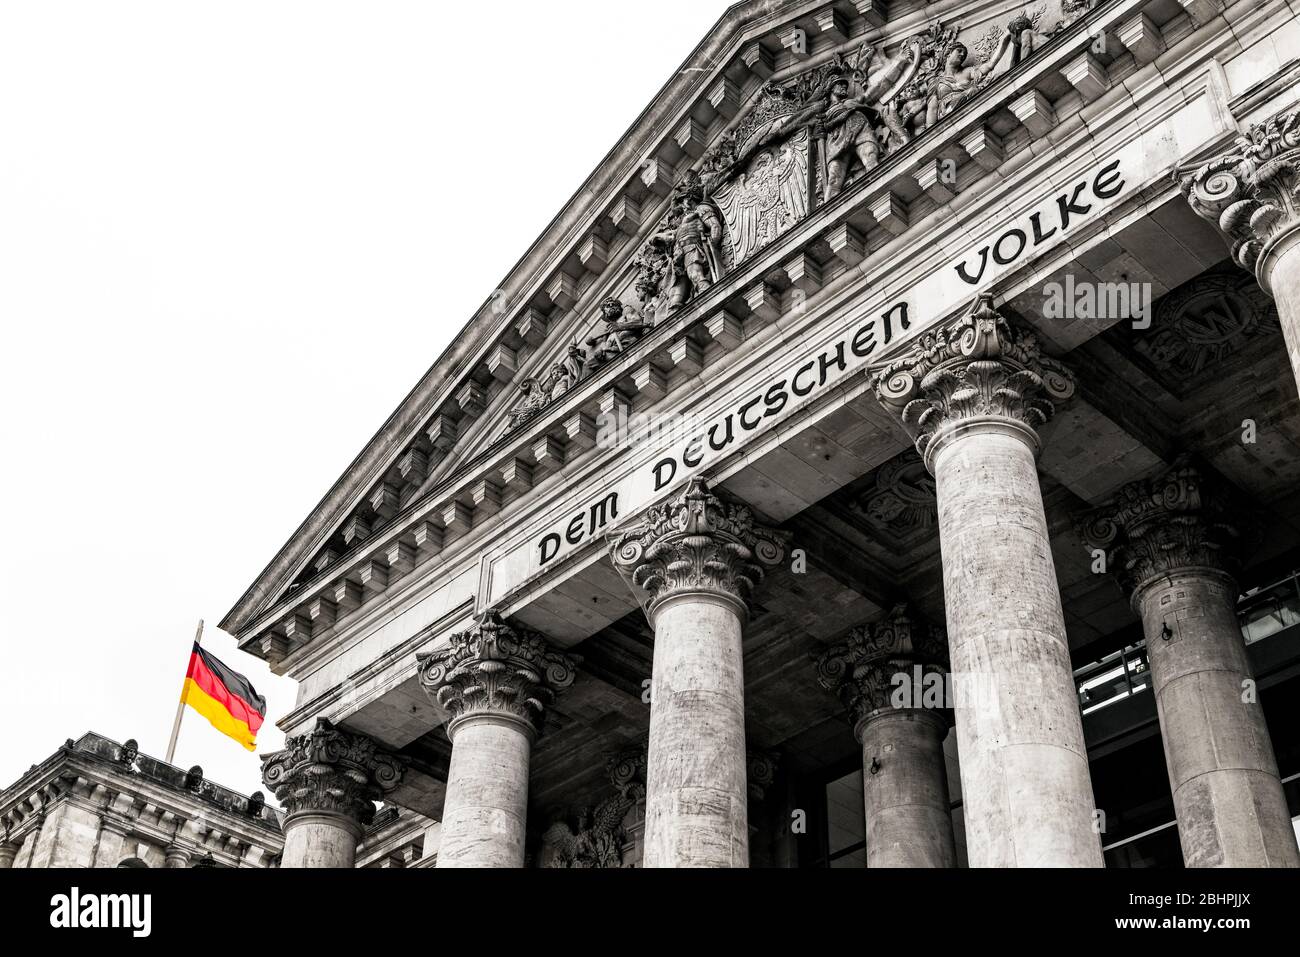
328	770
1181	519
979	369
697	543
760	771
861	669
498	669
1250	192
627	772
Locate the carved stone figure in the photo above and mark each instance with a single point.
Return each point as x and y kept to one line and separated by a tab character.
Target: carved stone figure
848	125
536	394
960	81
693	236
566	373
128	753
532	400
621	332
594	837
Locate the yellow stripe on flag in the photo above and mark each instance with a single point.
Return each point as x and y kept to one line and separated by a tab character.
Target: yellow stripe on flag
217	715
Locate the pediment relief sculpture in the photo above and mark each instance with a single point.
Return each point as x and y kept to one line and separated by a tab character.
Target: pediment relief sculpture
798	145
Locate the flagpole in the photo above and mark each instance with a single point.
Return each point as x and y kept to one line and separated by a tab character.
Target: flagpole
180	707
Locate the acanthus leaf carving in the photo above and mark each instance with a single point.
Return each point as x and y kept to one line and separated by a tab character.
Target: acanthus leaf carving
1252	193
593	837
1183	518
496	668
977	366
328	769
861	669
697	542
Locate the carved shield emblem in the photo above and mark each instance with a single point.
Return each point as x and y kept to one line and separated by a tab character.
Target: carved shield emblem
768	198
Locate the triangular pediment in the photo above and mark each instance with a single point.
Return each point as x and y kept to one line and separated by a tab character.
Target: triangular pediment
780	109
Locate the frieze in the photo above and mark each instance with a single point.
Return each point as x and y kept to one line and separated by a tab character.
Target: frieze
874	329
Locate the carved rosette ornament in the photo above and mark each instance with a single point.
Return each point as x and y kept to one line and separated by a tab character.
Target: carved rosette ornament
862	669
331	770
697	543
1182	519
496	668
977	369
1251	192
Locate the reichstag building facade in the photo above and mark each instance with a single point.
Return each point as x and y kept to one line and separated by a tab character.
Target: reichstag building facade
889	457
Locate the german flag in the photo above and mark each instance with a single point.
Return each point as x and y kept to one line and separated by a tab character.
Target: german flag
224	697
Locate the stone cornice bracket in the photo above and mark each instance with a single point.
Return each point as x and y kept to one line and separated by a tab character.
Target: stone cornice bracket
1179	520
1250	193
328	770
977	370
696	544
496	669
861	669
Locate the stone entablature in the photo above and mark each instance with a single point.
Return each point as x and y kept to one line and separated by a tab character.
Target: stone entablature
95	803
736	323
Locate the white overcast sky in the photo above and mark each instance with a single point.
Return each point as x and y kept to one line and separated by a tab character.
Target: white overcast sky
232	237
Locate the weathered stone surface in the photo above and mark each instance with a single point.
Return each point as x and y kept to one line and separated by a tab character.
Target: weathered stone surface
695	562
95	803
881	673
328	779
1252	193
905	790
973	394
1175	543
496	681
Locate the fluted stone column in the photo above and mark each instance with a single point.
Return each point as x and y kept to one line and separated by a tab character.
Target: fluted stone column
694	563
8	853
327	781
972	394
496	681
1250	193
1173	541
892	676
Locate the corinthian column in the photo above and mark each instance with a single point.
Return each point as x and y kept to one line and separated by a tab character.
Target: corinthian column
972	395
327	780
694	563
892	678
495	680
1172	544
1250	193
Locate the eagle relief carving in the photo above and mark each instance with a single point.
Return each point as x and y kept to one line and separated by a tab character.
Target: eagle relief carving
798	144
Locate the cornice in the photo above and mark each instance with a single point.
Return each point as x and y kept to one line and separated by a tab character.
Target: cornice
716	56
903	164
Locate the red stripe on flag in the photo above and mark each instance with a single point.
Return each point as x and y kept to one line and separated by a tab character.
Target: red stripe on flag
214	688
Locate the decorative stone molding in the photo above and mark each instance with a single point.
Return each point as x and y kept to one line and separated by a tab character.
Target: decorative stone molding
1250	193
861	669
331	770
900	508
627	771
594	837
1202	326
979	367
496	668
697	543
760	772
1181	519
